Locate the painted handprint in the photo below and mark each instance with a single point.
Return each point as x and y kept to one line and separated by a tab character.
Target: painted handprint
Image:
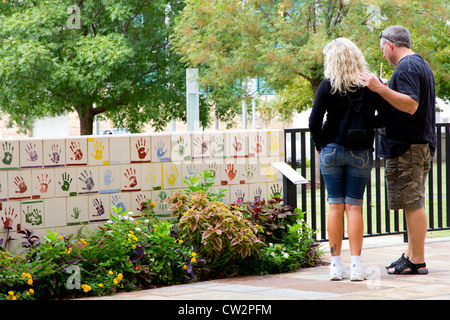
172	177
161	151
8	218
141	148
240	196
130	174
108	179
162	203
220	145
141	200
75	147
76	212
44	181
151	175
33	216
9	150
249	170
276	190
86	178
258	144
30	149
257	195
238	143
199	142
118	203
66	181
230	171
99	147
55	156
21	185
98	207
182	145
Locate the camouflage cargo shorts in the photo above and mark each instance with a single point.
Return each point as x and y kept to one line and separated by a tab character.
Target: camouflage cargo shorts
406	176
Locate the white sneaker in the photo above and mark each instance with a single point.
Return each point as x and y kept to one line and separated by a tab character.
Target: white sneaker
337	272
358	272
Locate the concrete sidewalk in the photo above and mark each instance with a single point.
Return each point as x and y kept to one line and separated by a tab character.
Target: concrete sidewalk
314	283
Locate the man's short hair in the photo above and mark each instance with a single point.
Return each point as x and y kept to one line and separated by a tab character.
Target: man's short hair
398	35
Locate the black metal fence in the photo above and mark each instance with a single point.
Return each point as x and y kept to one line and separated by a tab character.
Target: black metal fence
378	219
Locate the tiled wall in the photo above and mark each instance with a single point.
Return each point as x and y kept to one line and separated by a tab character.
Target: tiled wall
61	184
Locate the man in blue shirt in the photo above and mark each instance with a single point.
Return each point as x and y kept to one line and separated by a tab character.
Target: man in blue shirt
408	142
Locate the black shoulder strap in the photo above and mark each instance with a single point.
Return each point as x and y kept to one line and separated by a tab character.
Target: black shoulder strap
356	104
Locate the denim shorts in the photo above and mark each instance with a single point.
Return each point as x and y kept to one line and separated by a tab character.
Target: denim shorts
346	173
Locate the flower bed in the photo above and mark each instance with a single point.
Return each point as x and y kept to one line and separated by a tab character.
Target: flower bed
204	239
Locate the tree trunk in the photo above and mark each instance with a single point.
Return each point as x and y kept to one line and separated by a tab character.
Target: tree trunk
86	116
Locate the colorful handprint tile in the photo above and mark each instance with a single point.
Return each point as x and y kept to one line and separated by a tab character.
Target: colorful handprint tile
10	215
31	155
257	143
218	140
109	179
98	151
88	181
229	173
130	177
76	151
140	148
160	197
77	210
32	214
160	147
43	183
237	144
138	200
275	189
275	140
99	207
239	193
55	212
201	145
121	201
54	153
181	147
19	184
257	192
119	150
9	154
66	182
171	175
151	176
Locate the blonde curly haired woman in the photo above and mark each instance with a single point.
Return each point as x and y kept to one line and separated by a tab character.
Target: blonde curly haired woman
345	159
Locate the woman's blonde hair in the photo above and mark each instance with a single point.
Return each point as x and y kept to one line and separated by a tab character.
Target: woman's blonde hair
344	62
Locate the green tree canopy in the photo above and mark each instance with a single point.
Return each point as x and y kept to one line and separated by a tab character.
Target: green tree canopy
95	57
234	40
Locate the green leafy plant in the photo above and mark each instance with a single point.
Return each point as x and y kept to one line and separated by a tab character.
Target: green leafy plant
222	236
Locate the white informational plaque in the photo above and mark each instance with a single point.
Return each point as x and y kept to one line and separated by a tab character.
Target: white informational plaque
289	173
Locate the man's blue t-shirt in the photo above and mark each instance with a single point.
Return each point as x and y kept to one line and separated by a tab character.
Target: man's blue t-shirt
412	76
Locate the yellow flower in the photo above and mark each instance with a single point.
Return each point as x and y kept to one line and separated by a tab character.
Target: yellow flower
86	288
110	272
185	267
193	254
279	247
131	231
69	251
152	204
120	276
14	298
83	241
11	293
155	229
193	260
116	281
133	246
100	285
30	291
180	241
30	281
